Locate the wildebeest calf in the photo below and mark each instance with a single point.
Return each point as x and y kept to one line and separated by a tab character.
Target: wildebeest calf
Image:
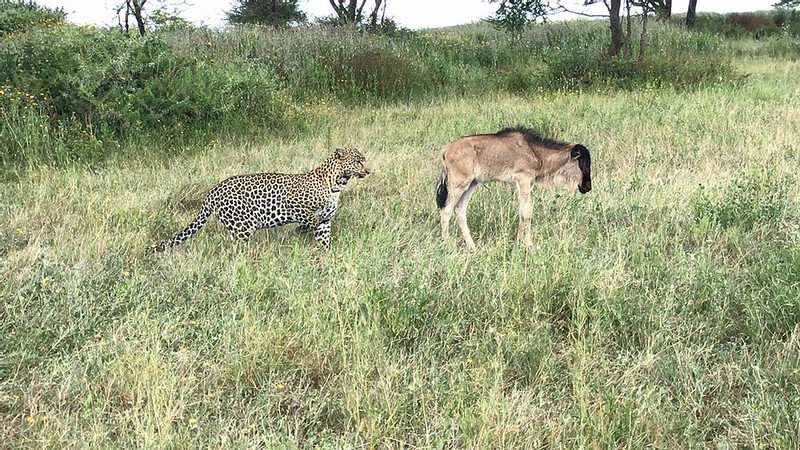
513	155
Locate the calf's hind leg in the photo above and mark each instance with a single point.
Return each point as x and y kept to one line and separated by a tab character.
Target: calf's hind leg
461	214
457	190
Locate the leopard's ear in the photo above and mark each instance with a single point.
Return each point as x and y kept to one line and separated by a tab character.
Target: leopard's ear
339	153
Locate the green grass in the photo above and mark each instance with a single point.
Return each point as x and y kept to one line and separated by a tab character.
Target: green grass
659	311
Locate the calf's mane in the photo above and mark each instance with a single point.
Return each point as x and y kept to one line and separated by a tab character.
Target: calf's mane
533	138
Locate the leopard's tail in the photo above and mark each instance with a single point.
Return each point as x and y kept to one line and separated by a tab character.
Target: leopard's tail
441	187
187	232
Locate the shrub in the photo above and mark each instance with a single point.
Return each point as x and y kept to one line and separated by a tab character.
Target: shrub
326	62
16	16
780	21
784	47
28	137
114	87
576	60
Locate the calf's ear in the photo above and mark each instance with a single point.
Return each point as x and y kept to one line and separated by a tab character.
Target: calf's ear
578	151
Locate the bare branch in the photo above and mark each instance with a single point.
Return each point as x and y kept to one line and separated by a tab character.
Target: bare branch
561	8
358	12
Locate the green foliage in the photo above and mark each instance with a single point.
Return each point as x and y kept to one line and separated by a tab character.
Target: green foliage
390	28
20	15
784	47
25	133
114	87
165	20
574	72
278	13
756	25
787	4
513	16
675	58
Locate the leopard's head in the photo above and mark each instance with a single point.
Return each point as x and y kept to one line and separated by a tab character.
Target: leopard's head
353	162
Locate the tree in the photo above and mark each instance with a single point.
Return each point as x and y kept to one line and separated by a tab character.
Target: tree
163	19
350	13
133	8
615	22
513	15
373	18
616	28
691	14
787	4
662	8
647	6
278	13
619	40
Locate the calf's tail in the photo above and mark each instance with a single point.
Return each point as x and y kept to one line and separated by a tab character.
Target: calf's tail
441	187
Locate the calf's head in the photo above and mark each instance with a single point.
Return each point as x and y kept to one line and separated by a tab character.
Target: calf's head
577	170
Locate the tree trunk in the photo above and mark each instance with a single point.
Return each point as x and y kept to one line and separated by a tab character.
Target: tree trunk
359	16
351	13
629	33
616	28
373	18
643	37
341	10
127	19
137	13
691	14
668	9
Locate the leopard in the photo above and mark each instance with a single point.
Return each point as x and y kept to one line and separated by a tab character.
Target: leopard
247	203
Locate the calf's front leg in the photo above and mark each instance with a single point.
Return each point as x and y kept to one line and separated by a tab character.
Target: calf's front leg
524	195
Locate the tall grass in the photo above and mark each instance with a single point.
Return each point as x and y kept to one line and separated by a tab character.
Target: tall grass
660	310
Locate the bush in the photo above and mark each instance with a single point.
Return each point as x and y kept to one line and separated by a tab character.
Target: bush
27	135
755	25
113	87
784	47
16	16
327	62
576	60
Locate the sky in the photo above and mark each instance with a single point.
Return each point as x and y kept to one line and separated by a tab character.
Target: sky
414	14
